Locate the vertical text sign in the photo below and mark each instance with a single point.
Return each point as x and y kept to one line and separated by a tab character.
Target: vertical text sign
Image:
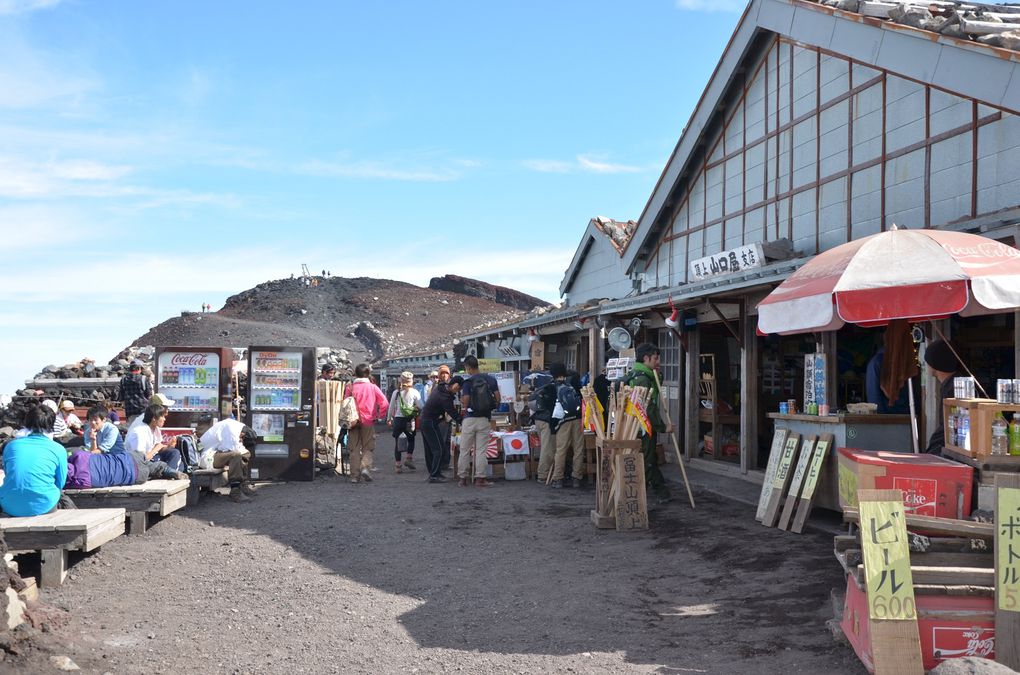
815	468
1007	546
887	561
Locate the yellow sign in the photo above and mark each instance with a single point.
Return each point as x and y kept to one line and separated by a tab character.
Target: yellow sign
1007	545
821	451
489	365
890	584
847	485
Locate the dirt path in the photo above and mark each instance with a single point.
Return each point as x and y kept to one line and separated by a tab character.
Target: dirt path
403	576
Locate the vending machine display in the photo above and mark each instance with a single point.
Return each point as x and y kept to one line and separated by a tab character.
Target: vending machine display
197	379
281	384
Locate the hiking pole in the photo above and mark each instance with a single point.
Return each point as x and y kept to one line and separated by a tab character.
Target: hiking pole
676	446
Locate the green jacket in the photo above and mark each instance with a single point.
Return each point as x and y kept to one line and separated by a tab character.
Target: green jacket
642	376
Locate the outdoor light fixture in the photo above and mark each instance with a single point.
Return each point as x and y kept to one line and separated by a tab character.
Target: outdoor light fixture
532	335
673	321
635	324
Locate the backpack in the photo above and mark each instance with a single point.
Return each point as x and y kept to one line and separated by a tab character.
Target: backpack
408	411
188	448
482	399
538	403
348	415
568	398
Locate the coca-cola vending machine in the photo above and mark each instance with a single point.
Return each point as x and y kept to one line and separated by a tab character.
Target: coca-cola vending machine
198	380
281	399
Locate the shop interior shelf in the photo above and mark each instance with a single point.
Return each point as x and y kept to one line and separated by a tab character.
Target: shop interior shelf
291	387
986	462
275	370
266	408
188	386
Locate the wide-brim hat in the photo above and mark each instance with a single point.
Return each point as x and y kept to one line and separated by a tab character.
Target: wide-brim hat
161	399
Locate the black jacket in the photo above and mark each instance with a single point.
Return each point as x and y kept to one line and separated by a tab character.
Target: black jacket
440	401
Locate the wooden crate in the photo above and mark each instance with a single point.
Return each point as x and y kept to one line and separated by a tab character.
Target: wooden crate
982	412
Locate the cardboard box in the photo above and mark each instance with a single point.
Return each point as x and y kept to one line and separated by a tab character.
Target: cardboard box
949	626
932	486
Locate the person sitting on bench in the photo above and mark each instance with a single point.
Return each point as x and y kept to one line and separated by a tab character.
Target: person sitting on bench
35	468
146	438
228	443
100	433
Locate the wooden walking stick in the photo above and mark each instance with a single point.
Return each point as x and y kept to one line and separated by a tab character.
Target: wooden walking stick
676	446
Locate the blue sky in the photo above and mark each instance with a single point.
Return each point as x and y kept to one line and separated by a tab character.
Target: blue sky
158	155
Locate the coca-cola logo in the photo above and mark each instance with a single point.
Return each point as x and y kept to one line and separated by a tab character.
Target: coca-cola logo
189	360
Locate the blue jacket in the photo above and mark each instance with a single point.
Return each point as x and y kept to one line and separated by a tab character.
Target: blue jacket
108	439
35	471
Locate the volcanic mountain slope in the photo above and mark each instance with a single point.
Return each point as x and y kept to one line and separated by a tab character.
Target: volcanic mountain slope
371	318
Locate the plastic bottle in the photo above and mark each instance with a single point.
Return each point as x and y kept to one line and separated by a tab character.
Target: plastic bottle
951	423
1000	442
965	431
1014	435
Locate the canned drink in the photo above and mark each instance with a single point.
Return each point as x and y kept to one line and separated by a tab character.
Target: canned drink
792	404
784	408
823	409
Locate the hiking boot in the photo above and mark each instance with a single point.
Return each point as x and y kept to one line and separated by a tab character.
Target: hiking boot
462	482
437	479
567	483
366	476
355	481
481	482
399	468
237	496
663	496
247	490
556	484
582	483
409	465
179	475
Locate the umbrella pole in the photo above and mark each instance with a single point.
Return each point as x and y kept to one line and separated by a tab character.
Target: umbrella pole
913	414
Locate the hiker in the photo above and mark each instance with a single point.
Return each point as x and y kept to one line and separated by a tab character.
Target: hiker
444	426
146	438
372	406
440	404
404	407
135	390
646	361
478	398
89	470
569	437
101	435
35	469
67	428
228	443
541	403
433	380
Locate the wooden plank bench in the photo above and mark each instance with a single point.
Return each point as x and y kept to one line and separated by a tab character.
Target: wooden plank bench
54	534
206	479
154	496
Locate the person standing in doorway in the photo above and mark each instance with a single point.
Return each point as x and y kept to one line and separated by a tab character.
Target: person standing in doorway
372	406
478	398
647	362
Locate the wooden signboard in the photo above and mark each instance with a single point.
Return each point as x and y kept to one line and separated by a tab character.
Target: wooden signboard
603	516
778	442
895	643
631	501
1007	569
538	355
782	479
806	451
814	472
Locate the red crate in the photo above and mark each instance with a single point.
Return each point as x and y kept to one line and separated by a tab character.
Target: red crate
932	486
943	635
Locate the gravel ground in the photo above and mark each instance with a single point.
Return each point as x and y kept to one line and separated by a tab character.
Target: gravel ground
403	576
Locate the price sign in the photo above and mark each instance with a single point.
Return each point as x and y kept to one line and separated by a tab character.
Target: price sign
1007	546
887	573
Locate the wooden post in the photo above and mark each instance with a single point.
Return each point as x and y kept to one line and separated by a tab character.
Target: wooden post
775	455
53	569
137	522
806	452
692	428
1007	569
631	504
603	515
807	494
782	479
895	643
748	392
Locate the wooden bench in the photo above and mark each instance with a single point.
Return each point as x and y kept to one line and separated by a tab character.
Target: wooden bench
206	479
54	534
154	496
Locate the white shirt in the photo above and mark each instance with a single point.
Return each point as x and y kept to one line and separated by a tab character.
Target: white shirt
63	424
411	398
224	436
141	438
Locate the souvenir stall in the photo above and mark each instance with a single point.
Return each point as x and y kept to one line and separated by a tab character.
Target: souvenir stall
915	277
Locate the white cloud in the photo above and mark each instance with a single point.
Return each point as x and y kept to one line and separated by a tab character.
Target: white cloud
38	227
25	6
582	163
712	5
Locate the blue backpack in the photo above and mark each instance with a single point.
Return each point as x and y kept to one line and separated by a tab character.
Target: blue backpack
569	399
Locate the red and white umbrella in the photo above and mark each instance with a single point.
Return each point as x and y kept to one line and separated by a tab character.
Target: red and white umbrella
900	274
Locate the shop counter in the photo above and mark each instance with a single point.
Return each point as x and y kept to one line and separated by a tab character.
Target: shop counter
863	432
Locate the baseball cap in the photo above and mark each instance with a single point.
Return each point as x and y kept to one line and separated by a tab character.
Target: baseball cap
161	399
328	367
66	405
443	369
135	363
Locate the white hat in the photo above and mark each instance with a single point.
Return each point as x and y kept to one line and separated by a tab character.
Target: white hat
67	404
161	399
51	404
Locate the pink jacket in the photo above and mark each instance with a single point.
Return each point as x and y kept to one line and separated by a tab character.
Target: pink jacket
372	403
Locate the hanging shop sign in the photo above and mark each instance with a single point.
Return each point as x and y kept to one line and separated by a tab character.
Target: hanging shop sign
727	262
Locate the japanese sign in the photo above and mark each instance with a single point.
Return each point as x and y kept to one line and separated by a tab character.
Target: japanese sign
814	379
1007	546
887	573
783	470
728	262
815	468
488	365
538	355
631	507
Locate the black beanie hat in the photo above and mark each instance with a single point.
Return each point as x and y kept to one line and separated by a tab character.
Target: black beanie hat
939	356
